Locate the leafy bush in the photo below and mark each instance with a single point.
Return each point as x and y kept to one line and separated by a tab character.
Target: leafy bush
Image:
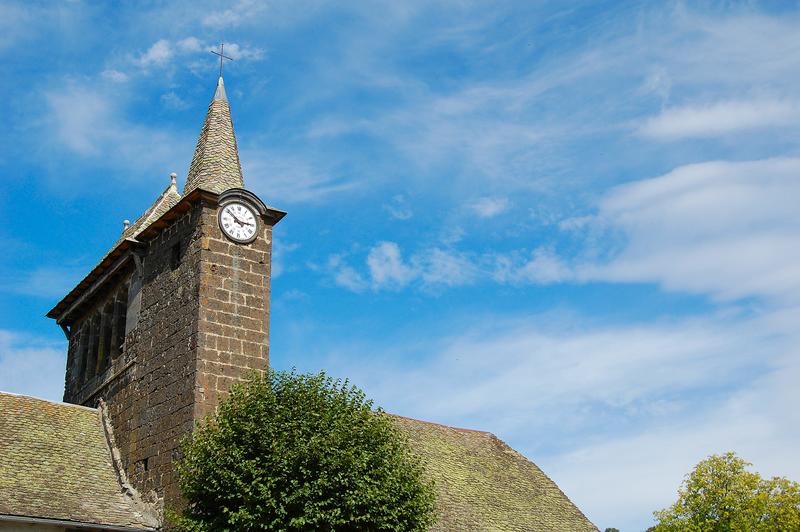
721	495
288	451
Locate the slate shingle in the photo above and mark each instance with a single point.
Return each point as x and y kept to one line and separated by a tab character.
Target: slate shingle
215	165
484	485
55	463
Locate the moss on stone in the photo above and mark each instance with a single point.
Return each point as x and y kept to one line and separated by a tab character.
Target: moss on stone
483	484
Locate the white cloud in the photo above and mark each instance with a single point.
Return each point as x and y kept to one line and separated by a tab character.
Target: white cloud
280	250
627	409
434	267
80	115
163	51
15	21
87	121
489	207
171	100
728	229
398	208
243	11
720	118
247	53
191	44
387	268
445	268
158	54
644	470
282	177
45	281
543	267
114	75
345	276
31	366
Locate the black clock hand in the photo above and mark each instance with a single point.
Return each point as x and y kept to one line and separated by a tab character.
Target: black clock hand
239	221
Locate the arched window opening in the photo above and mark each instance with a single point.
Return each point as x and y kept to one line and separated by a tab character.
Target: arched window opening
120	318
106	326
94	346
82	353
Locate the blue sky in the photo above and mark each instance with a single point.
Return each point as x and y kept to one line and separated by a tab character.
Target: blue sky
574	225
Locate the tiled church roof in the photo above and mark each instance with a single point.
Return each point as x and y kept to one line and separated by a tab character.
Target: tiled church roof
483	484
215	165
55	464
168	199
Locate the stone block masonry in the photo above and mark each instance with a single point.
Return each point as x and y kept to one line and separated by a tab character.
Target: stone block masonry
203	325
233	319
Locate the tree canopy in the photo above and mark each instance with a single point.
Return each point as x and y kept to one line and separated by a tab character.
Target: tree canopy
289	451
720	494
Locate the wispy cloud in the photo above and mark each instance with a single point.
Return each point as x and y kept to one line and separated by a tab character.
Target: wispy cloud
162	52
720	118
89	122
728	229
114	75
612	400
398	208
241	11
31	366
159	54
489	207
346	276
44	281
171	100
386	266
290	178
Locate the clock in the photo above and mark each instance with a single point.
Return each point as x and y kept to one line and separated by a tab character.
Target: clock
238	221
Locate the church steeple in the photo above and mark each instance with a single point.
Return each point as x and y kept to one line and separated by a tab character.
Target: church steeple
215	166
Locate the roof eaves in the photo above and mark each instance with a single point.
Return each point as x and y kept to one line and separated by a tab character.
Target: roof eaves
24	519
112	258
165	201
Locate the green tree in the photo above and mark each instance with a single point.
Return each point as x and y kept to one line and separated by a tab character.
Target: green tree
720	494
288	451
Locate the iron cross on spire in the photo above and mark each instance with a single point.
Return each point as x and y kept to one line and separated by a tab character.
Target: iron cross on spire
222	56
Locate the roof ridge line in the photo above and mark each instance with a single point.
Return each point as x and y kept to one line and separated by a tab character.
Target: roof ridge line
147	511
459	429
59	403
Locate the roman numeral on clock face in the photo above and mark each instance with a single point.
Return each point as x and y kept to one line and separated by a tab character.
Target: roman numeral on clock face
238	221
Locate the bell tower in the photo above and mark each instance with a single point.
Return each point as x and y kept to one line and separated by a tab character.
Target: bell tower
176	312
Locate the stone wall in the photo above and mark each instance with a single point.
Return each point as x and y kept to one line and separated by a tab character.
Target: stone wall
203	324
151	405
234	311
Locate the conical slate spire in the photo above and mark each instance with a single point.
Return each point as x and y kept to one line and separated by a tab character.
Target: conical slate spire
215	166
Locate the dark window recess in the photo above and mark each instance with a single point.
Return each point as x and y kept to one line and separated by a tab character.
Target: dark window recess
120	317
83	357
106	331
94	346
175	256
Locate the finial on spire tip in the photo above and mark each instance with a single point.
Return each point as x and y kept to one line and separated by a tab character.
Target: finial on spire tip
219	94
173	178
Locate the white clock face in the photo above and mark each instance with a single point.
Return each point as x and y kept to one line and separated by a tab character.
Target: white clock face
238	222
